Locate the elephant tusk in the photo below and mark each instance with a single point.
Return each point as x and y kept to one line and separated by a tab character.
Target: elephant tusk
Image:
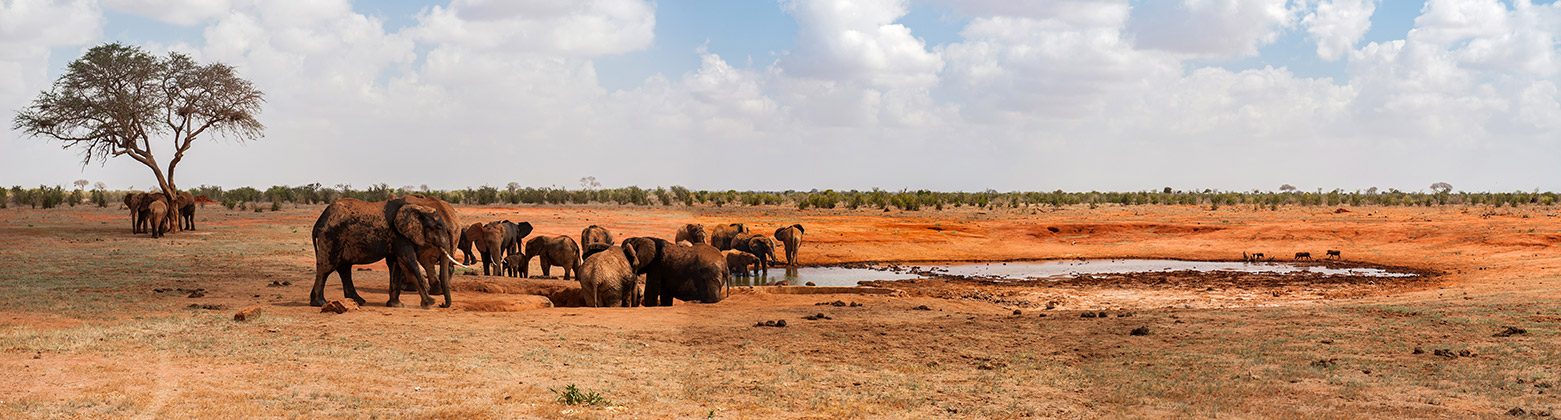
452	260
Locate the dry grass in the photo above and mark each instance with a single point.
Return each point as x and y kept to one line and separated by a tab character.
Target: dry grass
84	336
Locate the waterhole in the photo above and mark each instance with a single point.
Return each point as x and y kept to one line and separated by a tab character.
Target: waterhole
1041	270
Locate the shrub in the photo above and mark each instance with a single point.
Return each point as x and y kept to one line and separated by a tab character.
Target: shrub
572	395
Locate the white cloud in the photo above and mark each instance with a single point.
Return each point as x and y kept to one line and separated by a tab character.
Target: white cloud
858	41
178	12
568	28
1211	28
1337	25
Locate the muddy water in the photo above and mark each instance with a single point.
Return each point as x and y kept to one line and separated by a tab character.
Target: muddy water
1030	270
1058	269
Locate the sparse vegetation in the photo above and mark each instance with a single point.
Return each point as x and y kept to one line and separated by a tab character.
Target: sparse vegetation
572	395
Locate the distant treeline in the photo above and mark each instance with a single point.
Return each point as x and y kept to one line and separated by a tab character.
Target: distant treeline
48	197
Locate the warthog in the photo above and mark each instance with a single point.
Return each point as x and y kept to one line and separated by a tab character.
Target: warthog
1333	254
1303	256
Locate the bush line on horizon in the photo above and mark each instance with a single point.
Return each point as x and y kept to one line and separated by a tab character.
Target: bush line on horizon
49	197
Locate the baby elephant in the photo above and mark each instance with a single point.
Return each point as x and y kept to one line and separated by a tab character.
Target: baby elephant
515	265
741	263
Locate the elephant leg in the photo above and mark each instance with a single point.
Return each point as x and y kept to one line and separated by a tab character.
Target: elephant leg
547	265
345	272
428	270
652	290
411	271
317	294
397	279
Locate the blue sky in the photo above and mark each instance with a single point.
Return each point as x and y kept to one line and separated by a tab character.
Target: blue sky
845	91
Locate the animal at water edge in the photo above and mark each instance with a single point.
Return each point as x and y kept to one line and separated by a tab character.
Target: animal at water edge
1303	256
1253	257
607	278
741	262
791	238
759	245
691	273
1334	254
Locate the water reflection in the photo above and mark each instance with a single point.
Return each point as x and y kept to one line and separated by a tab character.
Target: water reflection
820	276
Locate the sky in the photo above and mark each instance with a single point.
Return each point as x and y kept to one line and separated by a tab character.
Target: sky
950	95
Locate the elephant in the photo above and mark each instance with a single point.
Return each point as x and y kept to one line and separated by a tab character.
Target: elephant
137	202
692	273
594	239
692	232
759	245
514	265
721	238
607	278
558	250
157	215
185	203
144	207
791	238
452	227
471	236
404	233
740	262
498	239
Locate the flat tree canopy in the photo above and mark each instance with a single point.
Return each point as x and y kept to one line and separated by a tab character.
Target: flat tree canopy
116	98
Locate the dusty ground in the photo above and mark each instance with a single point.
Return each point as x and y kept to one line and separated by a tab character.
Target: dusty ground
97	323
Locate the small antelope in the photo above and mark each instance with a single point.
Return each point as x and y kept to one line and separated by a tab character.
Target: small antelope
1333	254
1303	256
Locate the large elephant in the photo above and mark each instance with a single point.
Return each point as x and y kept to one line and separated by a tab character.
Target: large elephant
185	204
405	234
688	273
759	245
558	250
608	278
137	202
157	216
791	238
721	238
452	227
594	239
693	233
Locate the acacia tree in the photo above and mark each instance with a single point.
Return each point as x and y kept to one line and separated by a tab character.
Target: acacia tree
116	99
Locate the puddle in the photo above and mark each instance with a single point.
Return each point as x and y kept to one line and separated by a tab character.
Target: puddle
821	276
1036	270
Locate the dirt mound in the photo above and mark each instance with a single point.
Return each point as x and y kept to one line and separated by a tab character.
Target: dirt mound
504	304
562	293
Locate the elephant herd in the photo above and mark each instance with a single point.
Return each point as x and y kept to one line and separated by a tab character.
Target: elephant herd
415	231
156	214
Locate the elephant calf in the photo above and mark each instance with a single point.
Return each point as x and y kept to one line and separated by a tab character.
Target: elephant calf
158	217
607	278
553	250
514	265
791	238
741	263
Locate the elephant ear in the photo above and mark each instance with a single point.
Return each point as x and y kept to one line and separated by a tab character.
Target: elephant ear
799	228
410	224
522	229
628	253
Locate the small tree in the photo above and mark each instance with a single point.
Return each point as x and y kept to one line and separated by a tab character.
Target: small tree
81	184
1286	188
1441	187
117	98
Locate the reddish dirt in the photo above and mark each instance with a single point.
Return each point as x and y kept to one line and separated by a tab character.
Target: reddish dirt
966	355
